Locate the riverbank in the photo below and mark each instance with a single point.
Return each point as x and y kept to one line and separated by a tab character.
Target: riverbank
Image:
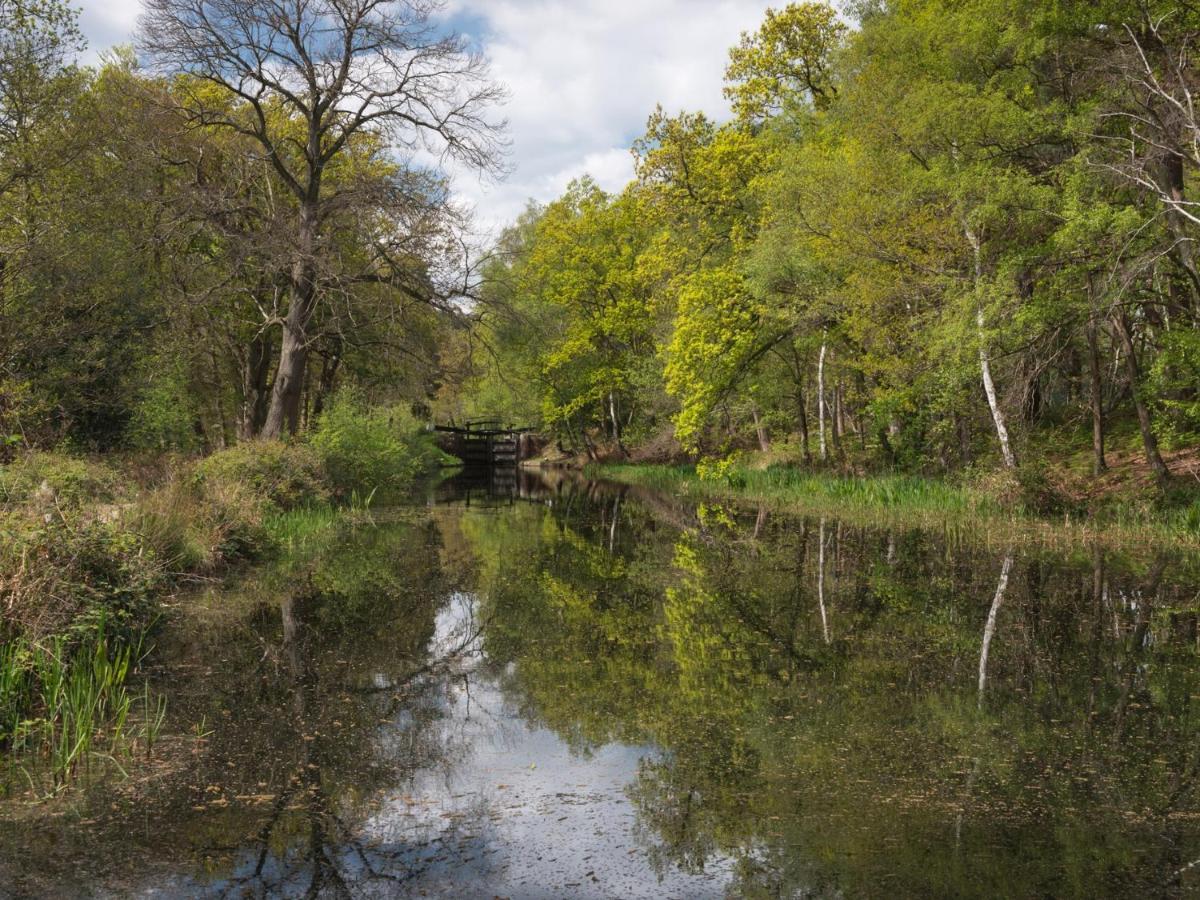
94	552
998	507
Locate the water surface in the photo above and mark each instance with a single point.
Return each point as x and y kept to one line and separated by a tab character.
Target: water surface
544	687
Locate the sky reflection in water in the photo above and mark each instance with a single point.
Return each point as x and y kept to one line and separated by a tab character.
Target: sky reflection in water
574	690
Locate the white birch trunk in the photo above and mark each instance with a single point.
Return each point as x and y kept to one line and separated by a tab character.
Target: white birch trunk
821	581
985	365
821	399
989	629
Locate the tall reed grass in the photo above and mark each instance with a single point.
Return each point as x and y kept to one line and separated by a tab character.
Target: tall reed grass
913	500
64	703
787	485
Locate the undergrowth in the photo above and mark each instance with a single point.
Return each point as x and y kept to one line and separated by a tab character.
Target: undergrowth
1021	506
87	557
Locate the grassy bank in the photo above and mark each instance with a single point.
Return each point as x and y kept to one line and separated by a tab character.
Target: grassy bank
92	550
996	505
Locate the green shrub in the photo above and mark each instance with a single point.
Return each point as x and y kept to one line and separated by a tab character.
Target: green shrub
164	413
367	448
58	577
195	525
1171	387
284	476
67	481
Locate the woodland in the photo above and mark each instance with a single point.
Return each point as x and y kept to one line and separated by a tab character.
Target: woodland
935	236
936	259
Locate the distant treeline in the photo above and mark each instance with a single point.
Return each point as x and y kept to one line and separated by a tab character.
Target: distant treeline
936	233
200	238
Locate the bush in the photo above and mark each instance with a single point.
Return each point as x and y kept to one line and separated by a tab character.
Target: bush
164	413
65	480
59	578
368	448
194	526
1039	494
279	475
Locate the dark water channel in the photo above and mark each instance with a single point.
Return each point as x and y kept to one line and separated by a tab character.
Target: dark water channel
550	688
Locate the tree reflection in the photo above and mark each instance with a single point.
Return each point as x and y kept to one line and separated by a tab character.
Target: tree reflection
309	692
827	759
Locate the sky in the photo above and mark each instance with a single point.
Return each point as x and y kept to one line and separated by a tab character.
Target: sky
583	76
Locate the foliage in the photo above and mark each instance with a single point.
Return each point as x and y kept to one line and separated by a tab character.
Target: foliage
368	448
795	671
280	475
60	700
924	241
1172	383
788	55
59	576
58	479
195	527
164	416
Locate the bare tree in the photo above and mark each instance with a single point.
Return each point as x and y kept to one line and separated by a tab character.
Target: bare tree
308	79
1157	88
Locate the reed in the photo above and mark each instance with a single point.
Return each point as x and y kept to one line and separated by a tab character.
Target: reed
920	502
65	702
295	530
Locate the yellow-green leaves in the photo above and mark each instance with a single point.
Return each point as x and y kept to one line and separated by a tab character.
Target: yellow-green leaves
714	339
788	60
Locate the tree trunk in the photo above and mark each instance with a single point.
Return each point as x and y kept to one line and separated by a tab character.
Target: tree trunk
989	388
836	423
985	365
764	442
1183	249
329	370
963	430
821	580
293	355
802	409
839	415
821	400
587	443
616	423
989	628
284	411
220	439
1097	401
1145	424
256	396
885	445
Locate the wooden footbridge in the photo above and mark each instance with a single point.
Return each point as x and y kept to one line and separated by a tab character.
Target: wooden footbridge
486	443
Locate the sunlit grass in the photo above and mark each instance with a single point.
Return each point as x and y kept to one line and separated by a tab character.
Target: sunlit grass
907	499
65	703
297	528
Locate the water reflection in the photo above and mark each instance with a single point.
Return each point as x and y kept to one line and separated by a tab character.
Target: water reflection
551	687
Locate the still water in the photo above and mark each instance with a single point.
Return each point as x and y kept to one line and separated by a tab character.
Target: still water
556	688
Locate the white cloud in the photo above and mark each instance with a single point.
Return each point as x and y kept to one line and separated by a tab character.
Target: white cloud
583	77
107	23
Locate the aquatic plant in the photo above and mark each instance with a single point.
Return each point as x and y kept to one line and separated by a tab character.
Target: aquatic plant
64	703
